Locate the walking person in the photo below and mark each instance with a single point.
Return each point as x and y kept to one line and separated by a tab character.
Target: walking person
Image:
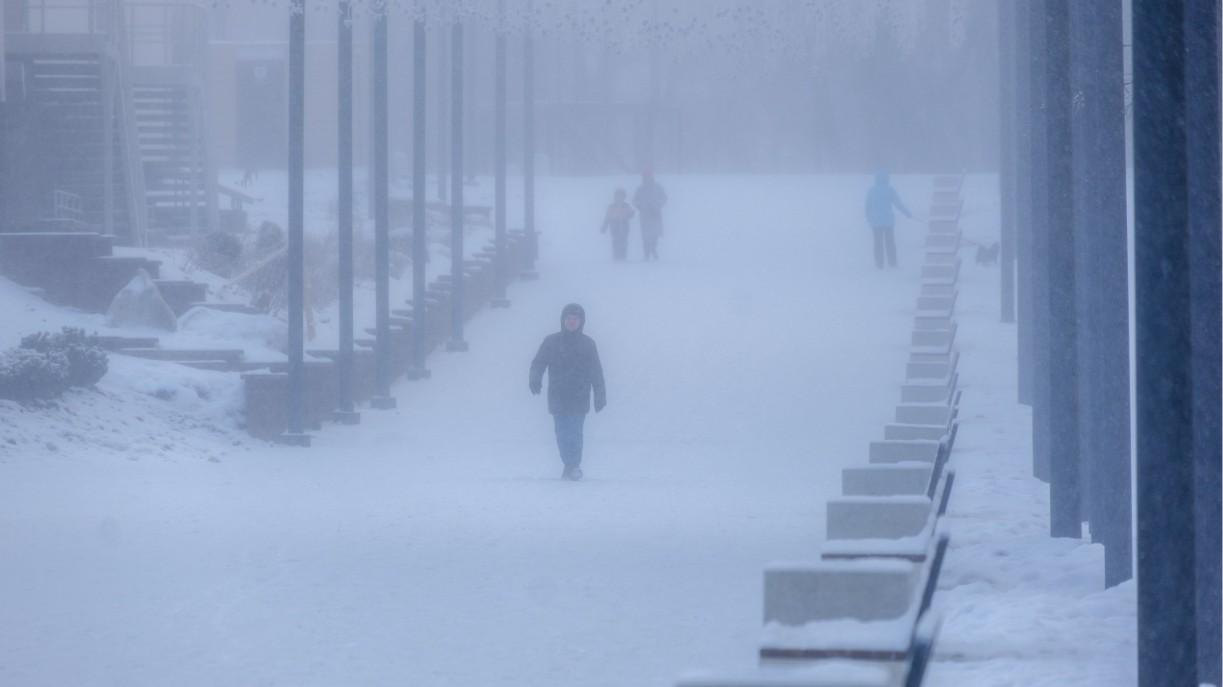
880	199
616	219
650	198
572	362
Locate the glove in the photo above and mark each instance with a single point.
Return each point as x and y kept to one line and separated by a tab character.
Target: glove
536	388
600	404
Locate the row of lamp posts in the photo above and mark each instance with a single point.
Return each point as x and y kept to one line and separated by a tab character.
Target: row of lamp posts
382	399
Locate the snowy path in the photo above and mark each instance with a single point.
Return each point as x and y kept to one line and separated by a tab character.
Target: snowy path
435	545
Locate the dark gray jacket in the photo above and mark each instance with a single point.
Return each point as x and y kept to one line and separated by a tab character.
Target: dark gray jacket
572	362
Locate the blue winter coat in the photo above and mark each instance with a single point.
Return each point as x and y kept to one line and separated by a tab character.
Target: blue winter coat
880	199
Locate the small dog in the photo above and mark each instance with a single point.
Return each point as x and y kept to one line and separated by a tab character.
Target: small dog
988	255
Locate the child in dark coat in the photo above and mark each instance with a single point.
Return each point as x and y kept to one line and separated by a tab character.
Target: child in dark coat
616	219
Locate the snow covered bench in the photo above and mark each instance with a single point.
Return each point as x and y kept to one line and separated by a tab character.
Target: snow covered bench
900	532
932	322
933	351
856	609
925	414
943	226
934	337
932	369
946	210
946	271
937	289
944	301
833	673
936	257
878	517
922	391
904	432
945	197
943	242
892	479
925	451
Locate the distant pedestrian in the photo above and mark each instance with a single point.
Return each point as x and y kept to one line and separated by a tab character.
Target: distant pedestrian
616	220
880	199
650	199
572	362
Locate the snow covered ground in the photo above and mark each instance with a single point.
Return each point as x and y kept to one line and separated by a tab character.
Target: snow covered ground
435	545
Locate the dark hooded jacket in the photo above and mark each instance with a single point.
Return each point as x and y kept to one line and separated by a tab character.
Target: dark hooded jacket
573	366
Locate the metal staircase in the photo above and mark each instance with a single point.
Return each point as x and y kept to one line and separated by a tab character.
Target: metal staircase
179	181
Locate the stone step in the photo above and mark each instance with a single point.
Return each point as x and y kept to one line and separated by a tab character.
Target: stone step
240	308
228	355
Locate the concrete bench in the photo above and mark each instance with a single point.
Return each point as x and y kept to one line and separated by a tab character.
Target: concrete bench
934	351
943	226
906	432
938	257
938	302
949	182
877	517
832	673
943	241
933	322
932	369
925	414
918	392
937	289
866	609
946	271
945	197
946	211
799	593
931	354
941	318
894	479
934	337
925	451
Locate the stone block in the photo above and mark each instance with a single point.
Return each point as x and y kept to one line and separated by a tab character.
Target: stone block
896	479
925	451
797	594
877	517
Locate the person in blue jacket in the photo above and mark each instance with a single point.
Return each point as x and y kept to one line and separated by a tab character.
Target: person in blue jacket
880	199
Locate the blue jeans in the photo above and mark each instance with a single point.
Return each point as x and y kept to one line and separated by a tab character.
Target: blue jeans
569	438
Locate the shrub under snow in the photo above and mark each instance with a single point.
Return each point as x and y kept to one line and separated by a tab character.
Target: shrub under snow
46	365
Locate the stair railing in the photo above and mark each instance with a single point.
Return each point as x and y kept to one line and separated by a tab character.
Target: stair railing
133	165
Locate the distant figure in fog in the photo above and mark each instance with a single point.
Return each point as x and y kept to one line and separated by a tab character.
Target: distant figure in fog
617	218
650	200
572	362
880	199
